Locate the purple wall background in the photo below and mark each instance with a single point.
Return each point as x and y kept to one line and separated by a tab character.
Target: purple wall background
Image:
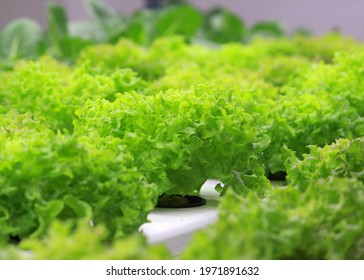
321	16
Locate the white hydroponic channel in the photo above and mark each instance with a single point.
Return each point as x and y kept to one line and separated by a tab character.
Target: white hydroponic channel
174	227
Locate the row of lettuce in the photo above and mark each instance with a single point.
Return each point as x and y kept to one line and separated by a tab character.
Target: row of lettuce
323	221
101	139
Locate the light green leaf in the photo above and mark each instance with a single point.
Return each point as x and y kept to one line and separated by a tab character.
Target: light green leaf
86	30
107	18
20	39
268	29
81	208
46	214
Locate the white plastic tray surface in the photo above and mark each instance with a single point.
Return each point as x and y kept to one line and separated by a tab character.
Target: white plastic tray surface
174	227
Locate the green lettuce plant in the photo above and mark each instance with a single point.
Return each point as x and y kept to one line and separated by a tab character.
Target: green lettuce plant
46	175
343	158
324	222
65	241
179	139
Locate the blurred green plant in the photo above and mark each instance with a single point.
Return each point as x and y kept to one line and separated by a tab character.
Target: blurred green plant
24	39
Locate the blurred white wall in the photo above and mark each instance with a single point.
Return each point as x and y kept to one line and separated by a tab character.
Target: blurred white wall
77	11
13	9
35	9
319	15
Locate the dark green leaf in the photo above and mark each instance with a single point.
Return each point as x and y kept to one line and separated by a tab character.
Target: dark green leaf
175	2
141	27
182	20
62	44
100	11
223	26
72	46
57	28
138	28
57	20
